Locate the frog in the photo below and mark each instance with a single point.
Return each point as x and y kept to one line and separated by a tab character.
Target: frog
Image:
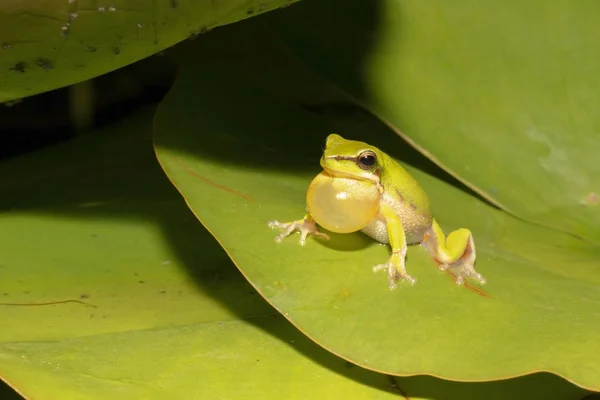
361	188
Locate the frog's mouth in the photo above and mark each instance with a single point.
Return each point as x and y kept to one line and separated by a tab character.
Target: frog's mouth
371	177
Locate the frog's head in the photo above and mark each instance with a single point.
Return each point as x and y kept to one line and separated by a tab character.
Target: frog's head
351	159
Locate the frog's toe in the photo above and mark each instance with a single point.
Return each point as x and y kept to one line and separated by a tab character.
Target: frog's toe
409	279
279	225
463	271
320	234
286	227
305	227
279	238
303	234
310	229
479	278
379	267
394	275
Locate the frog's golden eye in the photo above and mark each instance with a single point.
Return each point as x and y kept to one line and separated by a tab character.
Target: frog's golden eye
366	160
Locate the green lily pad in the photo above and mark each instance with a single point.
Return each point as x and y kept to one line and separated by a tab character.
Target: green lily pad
51	44
110	288
241	153
503	95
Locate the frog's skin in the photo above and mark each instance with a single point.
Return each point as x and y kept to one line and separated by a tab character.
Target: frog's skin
362	188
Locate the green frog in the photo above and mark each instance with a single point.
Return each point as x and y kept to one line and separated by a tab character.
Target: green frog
362	188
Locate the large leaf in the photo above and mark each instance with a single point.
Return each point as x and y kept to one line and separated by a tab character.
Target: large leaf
45	45
502	94
241	153
110	288
108	220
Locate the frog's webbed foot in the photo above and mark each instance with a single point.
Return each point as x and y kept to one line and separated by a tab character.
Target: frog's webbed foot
463	270
456	253
395	269
306	226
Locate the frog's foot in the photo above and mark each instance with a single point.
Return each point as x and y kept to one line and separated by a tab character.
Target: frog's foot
455	253
306	226
395	269
463	270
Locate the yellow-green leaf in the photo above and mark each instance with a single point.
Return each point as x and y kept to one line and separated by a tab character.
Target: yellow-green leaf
45	45
502	94
242	153
111	289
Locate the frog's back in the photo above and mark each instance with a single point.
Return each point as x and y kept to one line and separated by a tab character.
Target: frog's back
399	181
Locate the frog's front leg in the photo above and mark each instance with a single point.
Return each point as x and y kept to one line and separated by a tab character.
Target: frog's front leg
306	226
455	252
396	264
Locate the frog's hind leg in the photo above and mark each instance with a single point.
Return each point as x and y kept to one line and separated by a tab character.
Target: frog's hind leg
455	253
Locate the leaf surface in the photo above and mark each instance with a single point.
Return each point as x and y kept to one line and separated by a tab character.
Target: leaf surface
45	45
501	94
112	289
241	153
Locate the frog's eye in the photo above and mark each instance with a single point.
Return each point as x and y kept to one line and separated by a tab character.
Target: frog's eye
366	160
